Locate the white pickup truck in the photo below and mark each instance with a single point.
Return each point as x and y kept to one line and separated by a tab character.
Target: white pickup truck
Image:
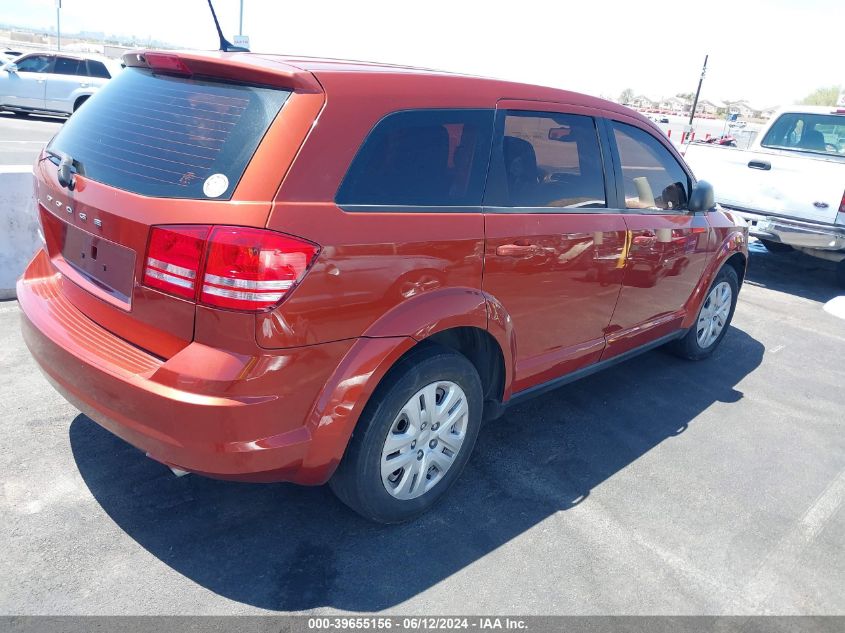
789	185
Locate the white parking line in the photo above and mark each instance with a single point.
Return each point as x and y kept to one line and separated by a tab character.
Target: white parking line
836	307
787	553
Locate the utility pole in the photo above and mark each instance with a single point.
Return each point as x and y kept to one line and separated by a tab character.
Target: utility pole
58	25
698	92
241	25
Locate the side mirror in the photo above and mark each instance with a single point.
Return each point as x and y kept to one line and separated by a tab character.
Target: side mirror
702	198
11	67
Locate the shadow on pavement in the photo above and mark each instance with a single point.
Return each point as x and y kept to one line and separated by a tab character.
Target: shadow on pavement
283	547
793	273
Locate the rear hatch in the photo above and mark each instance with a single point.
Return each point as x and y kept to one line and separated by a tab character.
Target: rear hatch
173	140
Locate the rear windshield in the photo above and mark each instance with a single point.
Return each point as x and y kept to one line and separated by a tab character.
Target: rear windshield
819	133
168	136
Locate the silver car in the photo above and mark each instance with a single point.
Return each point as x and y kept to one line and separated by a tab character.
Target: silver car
52	83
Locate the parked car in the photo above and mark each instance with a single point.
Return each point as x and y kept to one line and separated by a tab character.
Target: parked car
789	185
664	119
302	276
52	83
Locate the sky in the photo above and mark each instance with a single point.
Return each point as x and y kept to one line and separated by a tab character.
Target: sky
770	52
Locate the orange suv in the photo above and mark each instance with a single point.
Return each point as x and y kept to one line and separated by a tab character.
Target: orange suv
267	268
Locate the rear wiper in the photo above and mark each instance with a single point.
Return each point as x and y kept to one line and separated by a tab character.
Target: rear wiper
67	177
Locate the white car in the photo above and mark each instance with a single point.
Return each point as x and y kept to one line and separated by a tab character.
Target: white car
789	185
52	83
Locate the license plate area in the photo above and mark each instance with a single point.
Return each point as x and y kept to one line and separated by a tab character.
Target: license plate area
108	266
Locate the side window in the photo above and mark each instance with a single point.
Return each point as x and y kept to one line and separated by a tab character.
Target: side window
35	64
421	157
822	133
68	66
97	69
653	178
552	160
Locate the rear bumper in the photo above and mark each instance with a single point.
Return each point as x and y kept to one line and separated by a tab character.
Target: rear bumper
796	233
204	410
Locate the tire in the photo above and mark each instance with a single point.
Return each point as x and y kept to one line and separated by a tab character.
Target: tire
776	247
79	103
402	494
840	273
699	343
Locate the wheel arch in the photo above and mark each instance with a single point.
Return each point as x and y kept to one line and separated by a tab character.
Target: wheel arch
79	100
483	350
739	262
733	251
454	318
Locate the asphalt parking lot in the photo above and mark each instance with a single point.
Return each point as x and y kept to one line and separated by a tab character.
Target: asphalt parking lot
658	487
21	138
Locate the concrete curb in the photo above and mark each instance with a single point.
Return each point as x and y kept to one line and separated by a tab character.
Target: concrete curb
18	225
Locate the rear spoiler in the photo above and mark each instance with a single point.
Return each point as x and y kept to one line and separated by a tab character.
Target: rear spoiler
240	67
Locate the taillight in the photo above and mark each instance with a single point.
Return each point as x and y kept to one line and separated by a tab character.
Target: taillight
842	204
173	259
226	266
252	269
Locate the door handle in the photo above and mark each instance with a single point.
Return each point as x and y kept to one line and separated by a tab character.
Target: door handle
83	85
518	250
40	81
646	237
644	240
760	164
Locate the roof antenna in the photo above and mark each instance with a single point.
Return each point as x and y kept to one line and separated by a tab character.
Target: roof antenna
225	45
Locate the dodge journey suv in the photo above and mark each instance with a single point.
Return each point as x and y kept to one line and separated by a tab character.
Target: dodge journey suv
266	268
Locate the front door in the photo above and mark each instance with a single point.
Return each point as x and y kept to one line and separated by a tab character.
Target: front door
25	88
554	254
667	246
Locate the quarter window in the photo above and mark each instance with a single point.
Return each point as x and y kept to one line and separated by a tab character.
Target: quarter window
35	64
552	160
652	177
423	158
97	69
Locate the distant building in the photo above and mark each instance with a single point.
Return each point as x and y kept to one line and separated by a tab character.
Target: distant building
676	104
641	102
742	108
116	52
707	107
32	38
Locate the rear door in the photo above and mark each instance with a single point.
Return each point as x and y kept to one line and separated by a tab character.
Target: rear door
26	87
667	246
554	251
68	75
